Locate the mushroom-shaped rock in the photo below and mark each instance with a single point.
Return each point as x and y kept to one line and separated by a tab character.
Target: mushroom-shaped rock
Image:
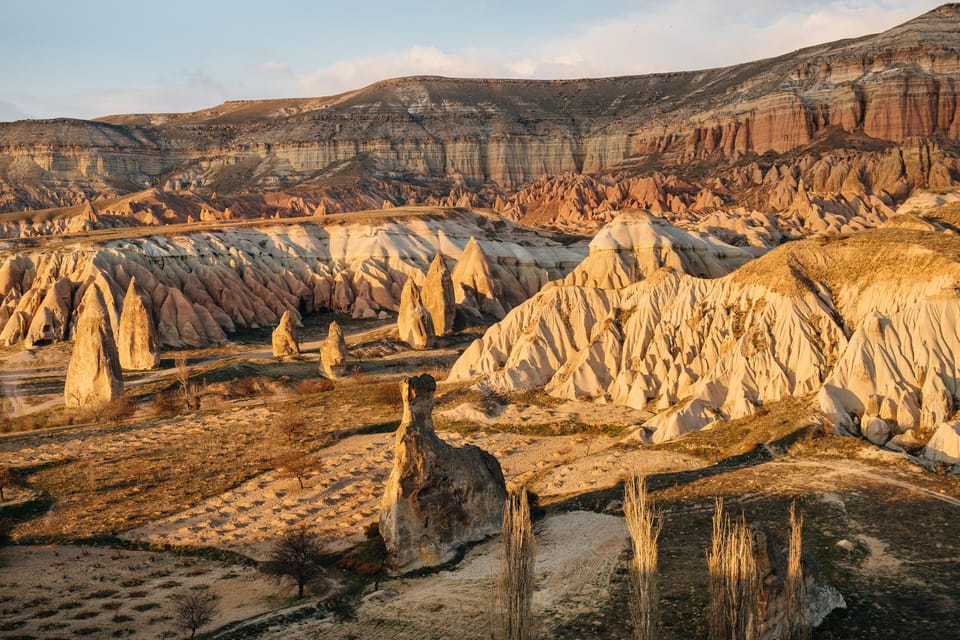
413	319
475	287
138	342
333	352
438	497
439	297
93	375
285	341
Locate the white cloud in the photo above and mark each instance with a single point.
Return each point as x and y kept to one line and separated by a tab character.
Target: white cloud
671	36
417	60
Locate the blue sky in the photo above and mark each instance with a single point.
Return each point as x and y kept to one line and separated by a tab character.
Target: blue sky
86	58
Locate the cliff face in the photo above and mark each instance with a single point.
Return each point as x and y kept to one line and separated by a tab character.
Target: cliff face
892	86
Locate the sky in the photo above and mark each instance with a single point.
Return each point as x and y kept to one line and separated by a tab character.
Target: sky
89	58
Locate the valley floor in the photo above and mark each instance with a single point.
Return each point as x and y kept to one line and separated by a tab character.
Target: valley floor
113	516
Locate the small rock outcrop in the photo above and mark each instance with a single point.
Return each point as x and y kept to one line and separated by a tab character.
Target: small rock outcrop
438	497
333	353
413	320
138	342
438	296
285	339
820	598
93	375
944	446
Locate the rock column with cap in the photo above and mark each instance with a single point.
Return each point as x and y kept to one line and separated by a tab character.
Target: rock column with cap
438	497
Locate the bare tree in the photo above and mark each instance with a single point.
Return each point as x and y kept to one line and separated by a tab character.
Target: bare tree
735	611
194	608
291	424
644	524
296	556
513	614
189	391
295	464
794	583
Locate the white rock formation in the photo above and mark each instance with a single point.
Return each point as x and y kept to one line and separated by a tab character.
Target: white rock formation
333	353
697	350
285	340
204	285
138	343
476	289
439	297
93	375
413	319
944	446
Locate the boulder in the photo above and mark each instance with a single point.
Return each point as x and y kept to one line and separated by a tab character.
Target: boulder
875	430
333	353
438	497
285	340
413	320
438	296
93	375
138	342
944	446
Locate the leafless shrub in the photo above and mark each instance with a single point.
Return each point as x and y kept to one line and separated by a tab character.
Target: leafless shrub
118	410
644	523
250	387
386	394
310	387
190	392
166	403
296	556
291	424
194	608
735	610
513	612
295	464
794	586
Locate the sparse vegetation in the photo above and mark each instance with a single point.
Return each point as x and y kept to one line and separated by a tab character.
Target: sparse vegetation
735	610
291	424
193	609
644	524
190	392
295	464
794	584
296	556
513	611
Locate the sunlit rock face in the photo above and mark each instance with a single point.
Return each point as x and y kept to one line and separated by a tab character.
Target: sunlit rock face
438	498
93	377
402	134
866	333
199	287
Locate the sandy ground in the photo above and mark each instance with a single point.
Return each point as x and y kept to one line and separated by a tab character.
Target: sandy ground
71	591
576	556
341	497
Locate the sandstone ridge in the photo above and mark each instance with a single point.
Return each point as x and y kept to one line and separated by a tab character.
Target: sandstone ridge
887	88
